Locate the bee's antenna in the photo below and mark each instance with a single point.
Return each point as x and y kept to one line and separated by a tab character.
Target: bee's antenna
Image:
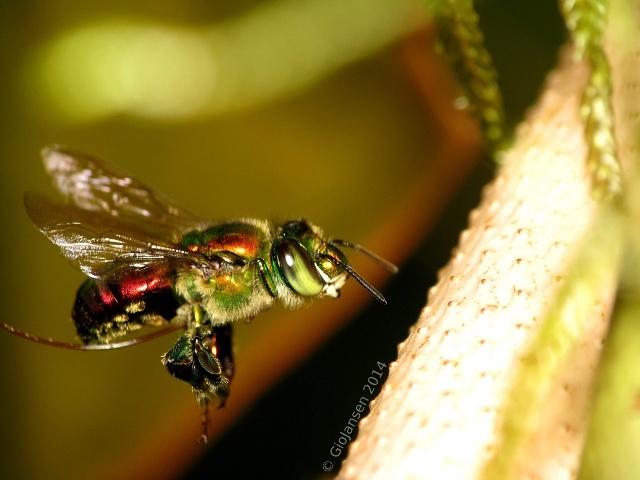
385	263
101	346
367	286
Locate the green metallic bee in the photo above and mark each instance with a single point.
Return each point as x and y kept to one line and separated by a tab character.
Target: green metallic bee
151	263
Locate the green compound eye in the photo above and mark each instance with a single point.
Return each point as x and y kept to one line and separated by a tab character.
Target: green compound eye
298	268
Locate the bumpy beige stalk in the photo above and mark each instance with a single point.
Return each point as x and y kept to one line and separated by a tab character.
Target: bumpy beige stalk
441	413
438	413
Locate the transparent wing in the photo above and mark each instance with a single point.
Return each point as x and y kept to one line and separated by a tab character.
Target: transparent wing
93	185
101	245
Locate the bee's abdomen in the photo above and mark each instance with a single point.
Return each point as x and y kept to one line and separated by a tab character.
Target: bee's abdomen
105	311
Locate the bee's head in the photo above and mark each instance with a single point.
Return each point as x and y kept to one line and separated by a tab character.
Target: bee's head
312	266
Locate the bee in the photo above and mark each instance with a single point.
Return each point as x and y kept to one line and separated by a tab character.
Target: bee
151	263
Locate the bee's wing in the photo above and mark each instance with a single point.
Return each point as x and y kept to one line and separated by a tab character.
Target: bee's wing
104	246
91	184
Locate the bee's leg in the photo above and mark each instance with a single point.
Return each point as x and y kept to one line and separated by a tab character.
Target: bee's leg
265	276
203	401
222	349
205	361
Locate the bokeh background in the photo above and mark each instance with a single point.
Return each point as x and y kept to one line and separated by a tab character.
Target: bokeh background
267	109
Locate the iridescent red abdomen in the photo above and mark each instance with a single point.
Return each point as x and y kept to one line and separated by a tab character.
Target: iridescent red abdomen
104	311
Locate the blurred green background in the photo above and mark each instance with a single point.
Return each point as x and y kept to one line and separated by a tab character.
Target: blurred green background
269	109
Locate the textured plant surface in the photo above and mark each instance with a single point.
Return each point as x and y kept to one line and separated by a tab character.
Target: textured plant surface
495	379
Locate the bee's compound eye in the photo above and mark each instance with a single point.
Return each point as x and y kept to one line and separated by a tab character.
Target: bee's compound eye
206	360
298	268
